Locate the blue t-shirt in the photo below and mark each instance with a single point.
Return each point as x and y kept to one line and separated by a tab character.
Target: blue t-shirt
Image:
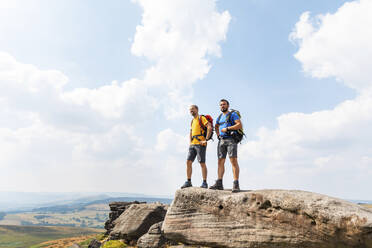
222	122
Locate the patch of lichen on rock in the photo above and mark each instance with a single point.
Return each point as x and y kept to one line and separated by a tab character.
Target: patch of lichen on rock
114	244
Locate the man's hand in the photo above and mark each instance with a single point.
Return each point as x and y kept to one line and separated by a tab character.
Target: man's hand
203	142
224	130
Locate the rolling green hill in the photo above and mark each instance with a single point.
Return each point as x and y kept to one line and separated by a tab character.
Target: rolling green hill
27	236
91	214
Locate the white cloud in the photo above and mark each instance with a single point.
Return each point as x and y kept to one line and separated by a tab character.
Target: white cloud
8	4
327	151
175	35
103	138
337	45
115	101
171	142
188	29
24	77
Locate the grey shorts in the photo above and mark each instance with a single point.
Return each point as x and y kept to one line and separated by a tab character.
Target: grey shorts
227	146
197	150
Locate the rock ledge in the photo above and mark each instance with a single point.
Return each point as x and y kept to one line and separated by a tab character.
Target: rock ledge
265	219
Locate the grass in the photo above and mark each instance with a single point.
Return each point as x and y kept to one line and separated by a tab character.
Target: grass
66	242
31	236
85	243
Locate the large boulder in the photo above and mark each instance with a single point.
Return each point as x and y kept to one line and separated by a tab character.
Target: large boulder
153	238
265	219
136	221
116	209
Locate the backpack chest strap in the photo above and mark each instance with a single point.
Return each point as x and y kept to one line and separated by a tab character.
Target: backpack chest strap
197	137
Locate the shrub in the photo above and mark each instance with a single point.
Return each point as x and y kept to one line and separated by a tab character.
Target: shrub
41	216
114	244
85	244
100	236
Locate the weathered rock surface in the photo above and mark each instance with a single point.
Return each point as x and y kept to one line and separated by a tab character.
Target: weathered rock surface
265	219
94	244
74	246
153	238
136	220
116	209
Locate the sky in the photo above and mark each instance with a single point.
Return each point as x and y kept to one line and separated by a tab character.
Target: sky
94	95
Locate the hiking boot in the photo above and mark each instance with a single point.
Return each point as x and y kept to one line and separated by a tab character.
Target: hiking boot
236	187
186	184
204	185
218	185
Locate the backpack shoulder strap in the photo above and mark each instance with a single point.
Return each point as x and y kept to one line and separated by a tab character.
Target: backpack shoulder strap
228	117
218	119
201	122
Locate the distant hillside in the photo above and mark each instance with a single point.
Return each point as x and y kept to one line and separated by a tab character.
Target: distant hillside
27	236
25	201
82	214
82	205
362	201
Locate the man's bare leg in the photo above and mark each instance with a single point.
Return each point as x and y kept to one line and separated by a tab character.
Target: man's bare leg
235	168
189	169
204	171
188	174
221	168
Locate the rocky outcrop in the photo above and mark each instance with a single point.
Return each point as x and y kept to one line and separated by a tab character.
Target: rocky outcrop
116	209
153	238
94	244
265	219
136	220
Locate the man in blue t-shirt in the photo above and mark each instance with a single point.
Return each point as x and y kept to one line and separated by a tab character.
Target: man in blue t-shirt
227	121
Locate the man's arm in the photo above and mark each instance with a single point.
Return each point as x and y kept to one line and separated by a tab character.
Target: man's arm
238	125
209	131
217	129
190	135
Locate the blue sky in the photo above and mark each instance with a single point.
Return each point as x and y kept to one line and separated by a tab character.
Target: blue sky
303	94
258	60
90	42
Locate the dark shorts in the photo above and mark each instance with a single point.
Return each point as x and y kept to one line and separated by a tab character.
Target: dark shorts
197	150
227	146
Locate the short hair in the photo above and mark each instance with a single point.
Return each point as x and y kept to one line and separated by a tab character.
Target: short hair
195	106
226	101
